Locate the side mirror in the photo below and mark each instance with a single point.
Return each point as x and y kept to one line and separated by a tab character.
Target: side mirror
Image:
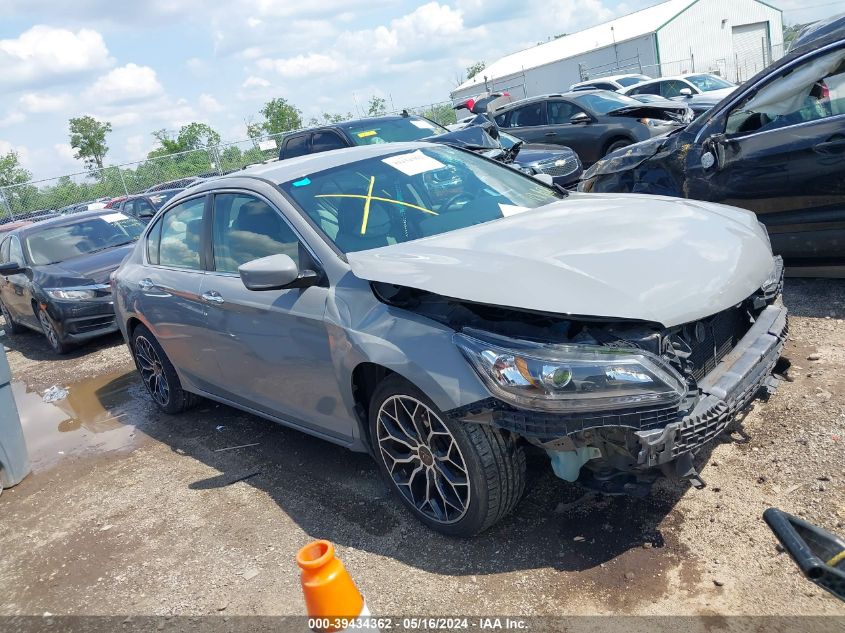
546	179
714	151
685	92
146	214
12	268
819	554
276	272
581	118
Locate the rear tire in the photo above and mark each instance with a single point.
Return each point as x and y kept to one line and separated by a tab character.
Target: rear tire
456	477
158	374
10	326
617	144
51	332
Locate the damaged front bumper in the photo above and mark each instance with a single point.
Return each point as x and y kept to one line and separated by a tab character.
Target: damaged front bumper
641	440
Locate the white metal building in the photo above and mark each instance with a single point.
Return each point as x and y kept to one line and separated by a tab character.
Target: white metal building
731	38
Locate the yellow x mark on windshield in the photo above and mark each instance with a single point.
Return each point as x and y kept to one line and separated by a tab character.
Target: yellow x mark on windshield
369	198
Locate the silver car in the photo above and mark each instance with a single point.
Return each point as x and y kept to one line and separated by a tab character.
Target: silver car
447	314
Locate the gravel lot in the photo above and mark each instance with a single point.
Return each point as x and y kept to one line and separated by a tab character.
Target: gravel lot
129	511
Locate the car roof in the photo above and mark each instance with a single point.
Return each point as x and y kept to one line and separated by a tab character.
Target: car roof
61	220
148	194
610	78
571	94
343	125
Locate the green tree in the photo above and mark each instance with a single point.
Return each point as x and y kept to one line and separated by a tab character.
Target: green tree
88	138
376	106
327	118
474	69
190	137
11	171
444	114
280	116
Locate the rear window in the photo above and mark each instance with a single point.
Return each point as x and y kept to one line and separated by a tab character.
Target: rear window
393	130
603	102
296	146
630	81
158	199
706	83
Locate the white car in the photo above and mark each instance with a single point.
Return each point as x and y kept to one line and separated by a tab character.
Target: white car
617	83
681	86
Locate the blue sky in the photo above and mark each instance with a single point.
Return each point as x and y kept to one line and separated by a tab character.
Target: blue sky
155	64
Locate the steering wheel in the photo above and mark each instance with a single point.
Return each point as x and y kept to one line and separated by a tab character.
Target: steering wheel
451	201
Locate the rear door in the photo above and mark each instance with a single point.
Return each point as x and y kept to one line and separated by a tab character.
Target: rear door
272	346
171	290
528	122
584	138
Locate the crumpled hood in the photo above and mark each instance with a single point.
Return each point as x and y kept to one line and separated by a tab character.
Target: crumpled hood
631	156
626	256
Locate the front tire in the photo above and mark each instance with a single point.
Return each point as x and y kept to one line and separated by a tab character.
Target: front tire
159	375
456	477
51	332
11	327
618	144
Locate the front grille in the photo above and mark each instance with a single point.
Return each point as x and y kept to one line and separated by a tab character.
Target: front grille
559	168
89	325
711	339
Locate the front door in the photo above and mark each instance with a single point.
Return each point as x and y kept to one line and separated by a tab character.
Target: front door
272	346
17	289
785	160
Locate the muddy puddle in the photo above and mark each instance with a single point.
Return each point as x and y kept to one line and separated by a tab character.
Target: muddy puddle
97	416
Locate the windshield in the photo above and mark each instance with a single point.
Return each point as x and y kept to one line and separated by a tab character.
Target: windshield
604	101
159	198
630	81
393	130
706	83
59	243
412	194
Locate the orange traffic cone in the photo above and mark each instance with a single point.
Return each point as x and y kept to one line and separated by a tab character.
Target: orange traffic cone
331	596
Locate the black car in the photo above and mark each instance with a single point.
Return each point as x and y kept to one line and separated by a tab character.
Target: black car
54	275
561	163
592	122
775	146
144	206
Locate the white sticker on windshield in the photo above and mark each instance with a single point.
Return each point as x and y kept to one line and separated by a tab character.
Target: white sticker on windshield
413	163
114	217
511	209
423	125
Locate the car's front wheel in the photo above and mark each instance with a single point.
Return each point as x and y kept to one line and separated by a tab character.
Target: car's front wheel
456	477
617	144
51	332
159	375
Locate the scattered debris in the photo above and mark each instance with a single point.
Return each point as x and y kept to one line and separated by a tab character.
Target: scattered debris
106	528
54	394
250	573
718	582
579	539
814	356
629	575
231	448
220	427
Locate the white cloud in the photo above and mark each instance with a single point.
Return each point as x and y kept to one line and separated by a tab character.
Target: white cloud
310	65
12	118
210	104
255	82
137	147
65	152
46	54
43	102
127	84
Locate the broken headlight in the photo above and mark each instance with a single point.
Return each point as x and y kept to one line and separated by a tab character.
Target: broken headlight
571	377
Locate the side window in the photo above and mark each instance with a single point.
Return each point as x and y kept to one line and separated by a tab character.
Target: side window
815	90
15	251
128	207
602	86
4	251
648	89
181	235
153	243
325	141
502	119
296	146
561	111
528	115
672	88
246	228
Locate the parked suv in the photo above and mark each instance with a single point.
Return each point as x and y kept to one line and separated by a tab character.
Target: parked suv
592	122
776	146
444	312
616	83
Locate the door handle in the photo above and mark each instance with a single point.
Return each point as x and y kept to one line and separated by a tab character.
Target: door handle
831	146
551	133
212	296
146	284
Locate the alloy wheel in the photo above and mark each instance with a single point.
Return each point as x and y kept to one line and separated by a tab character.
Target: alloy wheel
152	370
6	316
49	329
423	459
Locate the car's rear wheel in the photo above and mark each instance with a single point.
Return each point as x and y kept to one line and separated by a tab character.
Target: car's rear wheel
617	144
10	326
51	332
159	375
457	478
